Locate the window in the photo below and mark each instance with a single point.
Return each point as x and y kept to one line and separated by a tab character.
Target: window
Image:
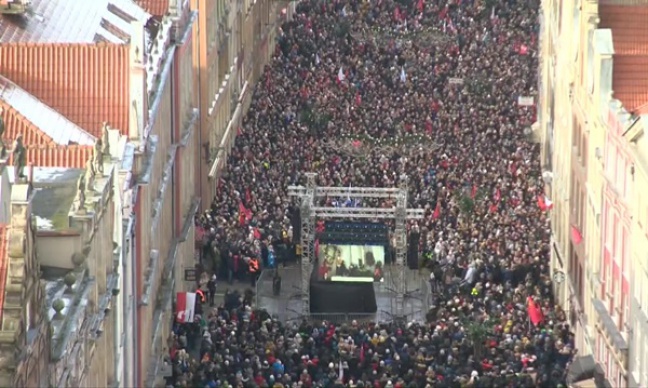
610	159
619	173
621	308
575	28
581	210
584	145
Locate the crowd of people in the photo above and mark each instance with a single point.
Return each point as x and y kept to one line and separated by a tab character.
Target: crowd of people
364	93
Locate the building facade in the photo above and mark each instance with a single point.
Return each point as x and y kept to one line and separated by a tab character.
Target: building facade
24	331
80	272
134	71
638	149
586	108
234	40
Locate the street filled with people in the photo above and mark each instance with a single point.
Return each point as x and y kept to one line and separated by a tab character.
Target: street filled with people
365	93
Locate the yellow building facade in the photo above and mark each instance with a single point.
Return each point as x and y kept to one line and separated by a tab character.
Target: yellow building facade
233	42
595	176
638	362
569	143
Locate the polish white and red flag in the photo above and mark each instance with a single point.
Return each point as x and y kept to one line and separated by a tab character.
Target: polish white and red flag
185	307
544	203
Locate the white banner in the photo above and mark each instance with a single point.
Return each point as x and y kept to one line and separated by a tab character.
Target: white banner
525	101
455	81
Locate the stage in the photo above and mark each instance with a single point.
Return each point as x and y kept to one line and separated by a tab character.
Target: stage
285	307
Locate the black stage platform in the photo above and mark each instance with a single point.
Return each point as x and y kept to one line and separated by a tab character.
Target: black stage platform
342	297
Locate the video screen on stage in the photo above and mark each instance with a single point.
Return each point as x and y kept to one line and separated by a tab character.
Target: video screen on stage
338	262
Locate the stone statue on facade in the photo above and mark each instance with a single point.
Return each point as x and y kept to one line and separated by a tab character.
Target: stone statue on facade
97	157
105	151
90	174
20	158
81	191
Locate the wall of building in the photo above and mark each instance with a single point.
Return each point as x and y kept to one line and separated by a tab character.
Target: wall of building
570	140
5	192
234	39
165	197
638	367
592	188
27	356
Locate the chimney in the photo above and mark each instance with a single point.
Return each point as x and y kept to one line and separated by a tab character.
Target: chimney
138	109
174	7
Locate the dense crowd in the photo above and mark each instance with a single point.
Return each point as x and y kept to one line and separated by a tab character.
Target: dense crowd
364	93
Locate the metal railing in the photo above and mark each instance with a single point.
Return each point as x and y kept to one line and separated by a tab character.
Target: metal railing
337	318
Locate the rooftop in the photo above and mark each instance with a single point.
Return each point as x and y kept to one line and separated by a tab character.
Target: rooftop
154	7
629	25
73	21
38	123
54	192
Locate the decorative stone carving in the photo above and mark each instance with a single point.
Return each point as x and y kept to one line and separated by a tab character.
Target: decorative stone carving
58	307
81	192
97	157
91	174
78	259
20	158
69	281
105	151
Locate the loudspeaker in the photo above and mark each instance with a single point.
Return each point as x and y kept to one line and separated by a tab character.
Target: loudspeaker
413	250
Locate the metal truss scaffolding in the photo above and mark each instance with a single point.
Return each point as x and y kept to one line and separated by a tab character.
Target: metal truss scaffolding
309	212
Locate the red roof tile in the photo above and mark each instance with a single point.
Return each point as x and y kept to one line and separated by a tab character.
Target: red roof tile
154	7
72	156
87	83
4	264
629	25
16	124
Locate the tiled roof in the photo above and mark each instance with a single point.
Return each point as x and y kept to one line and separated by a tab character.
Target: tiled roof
87	83
4	265
154	7
50	126
15	124
73	21
629	25
73	156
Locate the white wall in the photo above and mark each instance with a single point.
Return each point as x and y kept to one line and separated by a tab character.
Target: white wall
5	194
57	251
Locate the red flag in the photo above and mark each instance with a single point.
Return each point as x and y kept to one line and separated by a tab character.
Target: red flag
248	196
397	14
257	234
437	211
242	214
362	353
493	208
358	99
576	235
535	314
544	203
473	192
420	6
498	195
